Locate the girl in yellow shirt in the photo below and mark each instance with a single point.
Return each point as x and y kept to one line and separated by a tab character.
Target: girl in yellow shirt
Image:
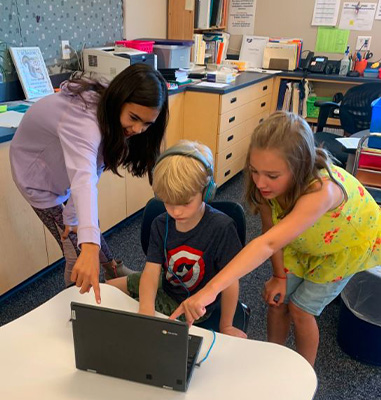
320	226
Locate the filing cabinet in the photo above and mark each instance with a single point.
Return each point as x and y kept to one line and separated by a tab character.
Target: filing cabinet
225	122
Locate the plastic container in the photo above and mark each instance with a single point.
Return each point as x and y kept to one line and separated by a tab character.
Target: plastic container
371	73
360	66
172	53
345	63
359	329
375	124
142	45
312	110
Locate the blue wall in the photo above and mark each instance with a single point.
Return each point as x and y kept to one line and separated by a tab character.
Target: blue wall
44	23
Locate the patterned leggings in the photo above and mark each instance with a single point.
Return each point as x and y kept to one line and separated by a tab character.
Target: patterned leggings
52	218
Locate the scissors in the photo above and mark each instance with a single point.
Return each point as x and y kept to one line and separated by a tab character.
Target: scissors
368	55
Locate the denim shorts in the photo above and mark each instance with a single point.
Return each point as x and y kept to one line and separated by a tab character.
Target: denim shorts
310	296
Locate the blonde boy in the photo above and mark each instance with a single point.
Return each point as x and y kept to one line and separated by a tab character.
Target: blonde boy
190	243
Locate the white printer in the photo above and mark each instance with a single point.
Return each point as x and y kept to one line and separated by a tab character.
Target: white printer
110	61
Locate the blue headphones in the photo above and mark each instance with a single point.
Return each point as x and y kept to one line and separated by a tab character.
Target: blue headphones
190	151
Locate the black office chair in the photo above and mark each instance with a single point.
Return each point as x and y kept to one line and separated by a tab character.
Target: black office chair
355	112
235	211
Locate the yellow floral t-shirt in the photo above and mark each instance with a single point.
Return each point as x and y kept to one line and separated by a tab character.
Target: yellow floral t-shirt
343	241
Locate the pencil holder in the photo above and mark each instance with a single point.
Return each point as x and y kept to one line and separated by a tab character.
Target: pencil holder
360	66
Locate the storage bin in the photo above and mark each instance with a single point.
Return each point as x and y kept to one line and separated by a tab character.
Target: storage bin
359	330
172	53
312	110
375	124
142	45
371	73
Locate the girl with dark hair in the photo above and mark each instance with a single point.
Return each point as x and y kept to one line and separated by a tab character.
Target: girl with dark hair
320	227
66	140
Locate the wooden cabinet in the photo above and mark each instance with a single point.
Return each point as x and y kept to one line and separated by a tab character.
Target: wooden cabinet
225	123
22	240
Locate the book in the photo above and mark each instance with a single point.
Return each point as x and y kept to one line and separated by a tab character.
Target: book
32	72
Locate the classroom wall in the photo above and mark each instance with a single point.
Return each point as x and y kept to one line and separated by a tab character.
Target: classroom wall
145	18
45	23
293	18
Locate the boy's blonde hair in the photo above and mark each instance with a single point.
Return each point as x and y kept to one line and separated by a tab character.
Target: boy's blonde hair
177	178
293	137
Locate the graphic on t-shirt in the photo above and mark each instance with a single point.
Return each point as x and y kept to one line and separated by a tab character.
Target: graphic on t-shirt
187	263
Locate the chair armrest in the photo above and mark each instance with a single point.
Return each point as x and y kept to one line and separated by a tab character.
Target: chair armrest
325	109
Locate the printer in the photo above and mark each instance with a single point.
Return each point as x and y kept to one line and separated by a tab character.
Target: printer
110	61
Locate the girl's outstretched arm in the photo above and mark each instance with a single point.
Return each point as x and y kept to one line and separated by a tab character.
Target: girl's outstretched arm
308	209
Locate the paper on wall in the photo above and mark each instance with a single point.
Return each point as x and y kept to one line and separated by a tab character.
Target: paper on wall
241	17
378	11
357	16
326	12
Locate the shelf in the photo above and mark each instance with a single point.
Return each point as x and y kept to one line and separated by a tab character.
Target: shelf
330	121
215	28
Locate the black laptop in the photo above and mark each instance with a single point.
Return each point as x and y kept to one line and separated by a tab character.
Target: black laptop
150	350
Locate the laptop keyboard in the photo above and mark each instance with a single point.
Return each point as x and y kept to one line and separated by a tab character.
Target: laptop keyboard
194	343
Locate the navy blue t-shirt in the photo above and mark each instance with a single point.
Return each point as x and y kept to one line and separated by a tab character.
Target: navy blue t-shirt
195	256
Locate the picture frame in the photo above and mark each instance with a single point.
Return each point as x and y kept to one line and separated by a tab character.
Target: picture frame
32	72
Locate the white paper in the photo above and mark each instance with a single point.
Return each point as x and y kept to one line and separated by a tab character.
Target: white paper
378	11
349	143
212	84
357	16
10	119
263	71
241	17
252	49
326	12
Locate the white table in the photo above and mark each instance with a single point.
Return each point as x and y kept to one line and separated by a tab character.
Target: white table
37	362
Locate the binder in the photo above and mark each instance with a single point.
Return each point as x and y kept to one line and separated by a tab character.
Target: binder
280	56
204	14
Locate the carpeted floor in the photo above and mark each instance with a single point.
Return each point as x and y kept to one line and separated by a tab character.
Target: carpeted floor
339	376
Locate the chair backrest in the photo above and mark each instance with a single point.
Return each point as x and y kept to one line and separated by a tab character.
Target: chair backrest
156	207
356	109
367	166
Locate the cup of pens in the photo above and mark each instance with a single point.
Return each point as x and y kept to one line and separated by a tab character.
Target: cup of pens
360	66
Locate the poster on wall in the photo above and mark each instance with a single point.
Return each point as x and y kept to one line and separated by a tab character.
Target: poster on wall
241	17
378	11
326	12
357	16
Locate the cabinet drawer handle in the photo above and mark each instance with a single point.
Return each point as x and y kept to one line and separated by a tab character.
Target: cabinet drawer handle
231	137
263	104
264	88
231	119
227	172
229	155
233	100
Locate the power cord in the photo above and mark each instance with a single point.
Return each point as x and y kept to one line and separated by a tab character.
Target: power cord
209	350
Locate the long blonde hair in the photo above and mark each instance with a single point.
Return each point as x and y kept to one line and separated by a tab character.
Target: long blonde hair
293	137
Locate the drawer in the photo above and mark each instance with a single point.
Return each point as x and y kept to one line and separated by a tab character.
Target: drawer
249	110
262	89
224	174
252	123
233	153
233	100
231	137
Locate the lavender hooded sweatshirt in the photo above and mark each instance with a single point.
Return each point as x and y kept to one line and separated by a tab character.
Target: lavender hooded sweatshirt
56	155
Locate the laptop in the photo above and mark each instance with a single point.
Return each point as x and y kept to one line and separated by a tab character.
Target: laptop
149	350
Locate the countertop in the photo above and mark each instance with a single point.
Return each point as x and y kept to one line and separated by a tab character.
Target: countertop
242	80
